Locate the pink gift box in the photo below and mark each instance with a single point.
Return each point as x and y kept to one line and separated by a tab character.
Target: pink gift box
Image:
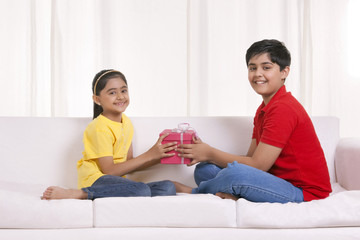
181	137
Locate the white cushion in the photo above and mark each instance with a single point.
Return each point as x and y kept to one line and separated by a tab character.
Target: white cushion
347	162
340	209
186	210
21	207
327	130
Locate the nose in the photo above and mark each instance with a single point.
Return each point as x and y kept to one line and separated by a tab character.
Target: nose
120	96
258	72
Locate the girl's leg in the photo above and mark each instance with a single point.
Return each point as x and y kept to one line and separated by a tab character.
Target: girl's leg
114	186
162	188
205	171
252	184
55	192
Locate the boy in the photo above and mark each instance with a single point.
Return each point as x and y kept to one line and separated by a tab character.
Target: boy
285	161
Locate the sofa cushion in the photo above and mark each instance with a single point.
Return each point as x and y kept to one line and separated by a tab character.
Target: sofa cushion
327	130
339	209
185	210
347	162
21	207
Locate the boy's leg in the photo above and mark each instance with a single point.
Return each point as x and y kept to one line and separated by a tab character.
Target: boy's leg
205	171
114	186
162	188
252	184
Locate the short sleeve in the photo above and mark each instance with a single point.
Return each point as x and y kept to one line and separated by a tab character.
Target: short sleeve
98	143
279	124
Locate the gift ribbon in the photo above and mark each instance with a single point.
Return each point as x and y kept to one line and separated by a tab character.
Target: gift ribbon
182	128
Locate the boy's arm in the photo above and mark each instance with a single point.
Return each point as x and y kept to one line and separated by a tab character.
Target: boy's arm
261	156
252	148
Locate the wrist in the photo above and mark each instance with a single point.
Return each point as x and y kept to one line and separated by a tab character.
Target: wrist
211	153
143	158
214	156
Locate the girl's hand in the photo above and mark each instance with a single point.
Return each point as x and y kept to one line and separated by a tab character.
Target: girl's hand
159	150
198	152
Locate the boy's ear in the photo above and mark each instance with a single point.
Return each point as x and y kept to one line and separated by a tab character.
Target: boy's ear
96	99
285	72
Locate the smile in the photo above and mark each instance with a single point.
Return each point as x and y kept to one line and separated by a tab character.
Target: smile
120	104
260	82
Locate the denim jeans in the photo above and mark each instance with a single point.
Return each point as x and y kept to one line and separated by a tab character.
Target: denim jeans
245	182
114	186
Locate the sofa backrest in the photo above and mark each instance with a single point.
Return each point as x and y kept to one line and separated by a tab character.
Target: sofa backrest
45	150
230	134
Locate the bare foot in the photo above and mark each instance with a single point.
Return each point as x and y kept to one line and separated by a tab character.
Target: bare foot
181	188
63	193
226	196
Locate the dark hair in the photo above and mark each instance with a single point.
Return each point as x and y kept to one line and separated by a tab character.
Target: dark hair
277	51
99	83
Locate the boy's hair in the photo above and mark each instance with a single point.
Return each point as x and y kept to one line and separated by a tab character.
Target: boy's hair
99	83
277	51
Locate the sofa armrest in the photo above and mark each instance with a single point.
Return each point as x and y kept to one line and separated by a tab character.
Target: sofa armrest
347	163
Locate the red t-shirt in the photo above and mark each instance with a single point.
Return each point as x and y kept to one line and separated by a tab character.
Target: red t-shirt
284	123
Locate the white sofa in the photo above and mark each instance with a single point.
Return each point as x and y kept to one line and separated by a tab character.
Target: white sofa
38	152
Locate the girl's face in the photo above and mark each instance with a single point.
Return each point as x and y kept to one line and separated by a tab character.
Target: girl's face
265	76
114	98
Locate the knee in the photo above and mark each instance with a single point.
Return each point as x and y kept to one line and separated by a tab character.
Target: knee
241	172
142	190
205	171
162	188
169	188
236	168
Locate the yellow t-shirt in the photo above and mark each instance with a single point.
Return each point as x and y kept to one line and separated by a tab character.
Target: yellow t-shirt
103	137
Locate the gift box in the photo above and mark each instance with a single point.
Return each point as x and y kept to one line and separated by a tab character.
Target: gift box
182	135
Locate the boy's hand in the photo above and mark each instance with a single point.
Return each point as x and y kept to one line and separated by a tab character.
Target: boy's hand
198	151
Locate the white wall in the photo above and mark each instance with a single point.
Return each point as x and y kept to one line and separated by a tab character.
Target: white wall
181	57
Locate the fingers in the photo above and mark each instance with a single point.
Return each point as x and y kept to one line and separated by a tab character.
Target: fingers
196	139
161	138
183	150
193	162
185	146
165	155
166	145
185	153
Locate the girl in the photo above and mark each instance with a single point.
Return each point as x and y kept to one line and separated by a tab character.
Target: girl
108	152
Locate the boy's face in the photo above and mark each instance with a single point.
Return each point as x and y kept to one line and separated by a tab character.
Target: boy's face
265	76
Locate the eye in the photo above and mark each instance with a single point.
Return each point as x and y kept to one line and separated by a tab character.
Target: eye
112	92
266	67
124	91
251	69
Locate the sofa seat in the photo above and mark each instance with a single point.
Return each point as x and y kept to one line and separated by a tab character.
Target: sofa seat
338	210
184	210
21	207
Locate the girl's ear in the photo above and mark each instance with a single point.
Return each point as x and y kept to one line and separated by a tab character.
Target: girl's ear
96	99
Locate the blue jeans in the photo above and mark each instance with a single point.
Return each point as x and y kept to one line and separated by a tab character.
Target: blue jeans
246	182
114	186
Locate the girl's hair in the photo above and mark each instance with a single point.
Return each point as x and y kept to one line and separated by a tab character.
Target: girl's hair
277	51
99	83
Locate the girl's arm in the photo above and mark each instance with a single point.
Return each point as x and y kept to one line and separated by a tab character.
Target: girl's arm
149	158
146	165
260	156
